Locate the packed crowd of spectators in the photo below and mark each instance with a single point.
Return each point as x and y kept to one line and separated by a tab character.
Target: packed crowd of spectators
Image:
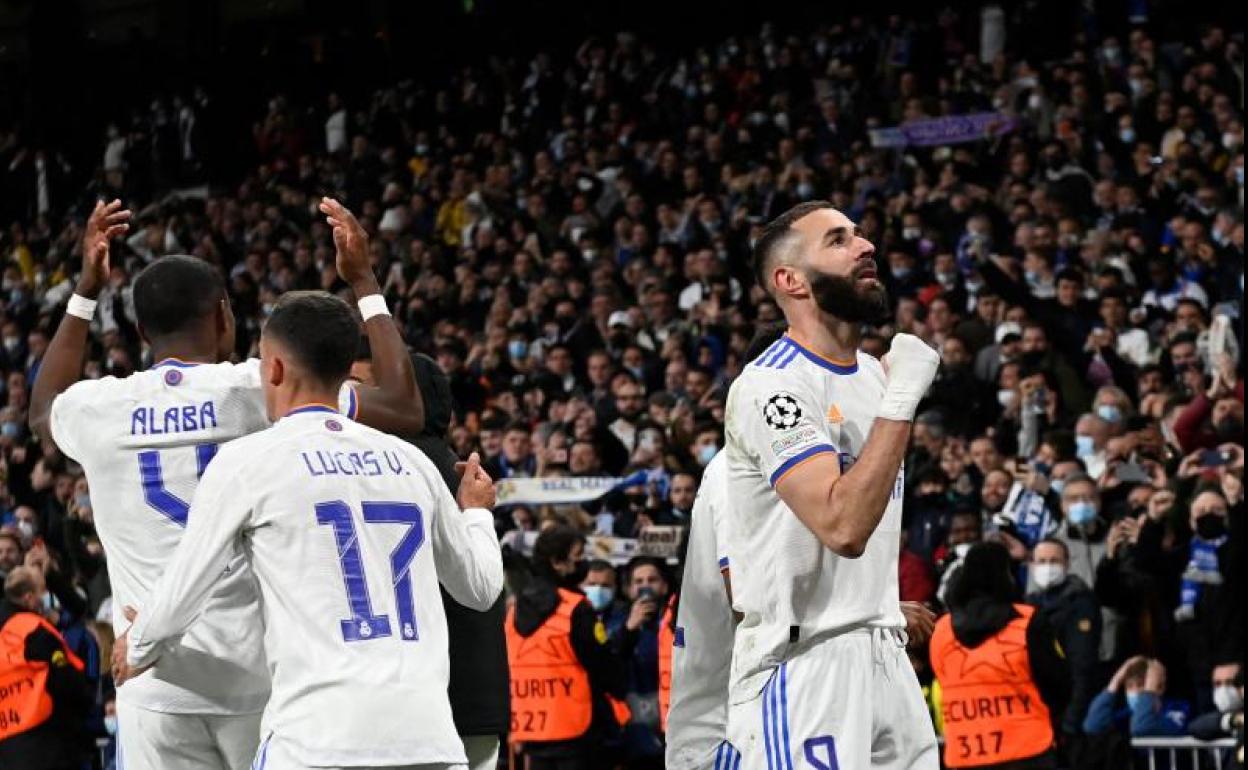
569	236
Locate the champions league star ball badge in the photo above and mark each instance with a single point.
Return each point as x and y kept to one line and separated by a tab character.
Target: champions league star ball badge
782	412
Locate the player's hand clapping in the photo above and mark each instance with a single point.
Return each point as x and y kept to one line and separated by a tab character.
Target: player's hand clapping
353	261
910	366
476	489
107	221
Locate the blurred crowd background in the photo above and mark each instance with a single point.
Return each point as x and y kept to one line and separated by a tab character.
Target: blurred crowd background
566	229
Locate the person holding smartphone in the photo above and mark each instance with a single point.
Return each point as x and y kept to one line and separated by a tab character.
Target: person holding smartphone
648	589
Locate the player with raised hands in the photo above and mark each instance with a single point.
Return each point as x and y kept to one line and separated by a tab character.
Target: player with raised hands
145	440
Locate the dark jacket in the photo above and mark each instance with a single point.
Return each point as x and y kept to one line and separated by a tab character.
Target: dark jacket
534	604
1071	610
479	690
60	743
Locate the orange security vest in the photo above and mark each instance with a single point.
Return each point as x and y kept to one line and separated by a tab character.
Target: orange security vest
24	699
667	639
550	695
990	704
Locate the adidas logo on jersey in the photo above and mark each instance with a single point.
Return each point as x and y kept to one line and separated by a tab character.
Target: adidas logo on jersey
834	415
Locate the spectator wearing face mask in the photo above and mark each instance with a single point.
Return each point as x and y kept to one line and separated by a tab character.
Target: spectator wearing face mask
600	587
1228	701
1069	605
1091	436
965	530
1139	685
1083	531
1208	578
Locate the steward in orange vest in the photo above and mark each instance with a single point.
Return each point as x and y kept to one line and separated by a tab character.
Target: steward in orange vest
667	640
1003	676
43	692
561	666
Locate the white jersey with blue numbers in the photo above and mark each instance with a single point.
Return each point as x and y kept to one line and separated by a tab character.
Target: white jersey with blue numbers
144	441
697	721
786	407
348	532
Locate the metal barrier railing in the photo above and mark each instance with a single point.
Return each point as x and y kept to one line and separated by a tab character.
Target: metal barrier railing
1176	747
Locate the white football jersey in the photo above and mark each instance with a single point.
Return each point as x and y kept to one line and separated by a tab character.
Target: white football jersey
144	441
787	406
349	532
701	657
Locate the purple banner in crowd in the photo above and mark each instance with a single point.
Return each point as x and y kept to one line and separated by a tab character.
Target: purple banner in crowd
950	129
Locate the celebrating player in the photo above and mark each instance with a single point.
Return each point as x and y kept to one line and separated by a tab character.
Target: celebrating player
145	440
816	434
349	531
697	722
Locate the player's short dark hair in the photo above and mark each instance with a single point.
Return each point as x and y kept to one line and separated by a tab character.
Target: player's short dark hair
174	293
777	231
319	330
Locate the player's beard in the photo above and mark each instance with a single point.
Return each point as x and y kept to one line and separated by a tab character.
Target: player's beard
840	297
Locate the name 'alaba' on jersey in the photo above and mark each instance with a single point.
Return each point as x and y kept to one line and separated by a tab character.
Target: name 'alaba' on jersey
787	406
144	441
349	532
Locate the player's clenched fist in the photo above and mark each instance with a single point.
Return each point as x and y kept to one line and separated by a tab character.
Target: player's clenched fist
910	366
476	489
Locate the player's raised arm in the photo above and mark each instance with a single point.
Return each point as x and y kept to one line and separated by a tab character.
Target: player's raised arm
62	363
843	510
394	405
465	547
218	512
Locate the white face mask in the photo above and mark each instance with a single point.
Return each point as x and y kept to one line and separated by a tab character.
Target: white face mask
1006	398
1048	575
961	549
1227	698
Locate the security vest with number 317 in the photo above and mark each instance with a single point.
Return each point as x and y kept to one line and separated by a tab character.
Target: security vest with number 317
990	703
551	699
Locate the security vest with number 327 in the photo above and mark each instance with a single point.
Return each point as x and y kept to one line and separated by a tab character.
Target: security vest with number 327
991	706
551	699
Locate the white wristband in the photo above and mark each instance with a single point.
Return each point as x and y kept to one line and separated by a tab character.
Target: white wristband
372	305
81	307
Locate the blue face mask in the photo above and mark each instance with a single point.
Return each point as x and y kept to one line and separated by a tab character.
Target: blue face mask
1137	700
517	349
1081	513
707	453
1084	446
599	596
1058	485
1109	413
